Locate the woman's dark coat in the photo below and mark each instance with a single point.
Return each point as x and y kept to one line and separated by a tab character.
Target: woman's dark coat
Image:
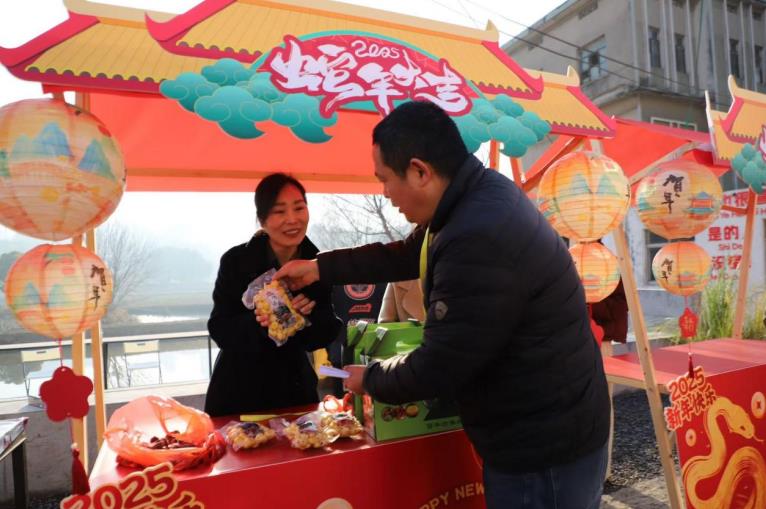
251	372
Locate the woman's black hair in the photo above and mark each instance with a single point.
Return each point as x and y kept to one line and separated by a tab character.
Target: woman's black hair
268	190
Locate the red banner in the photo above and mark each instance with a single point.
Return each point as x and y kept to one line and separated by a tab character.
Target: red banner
721	435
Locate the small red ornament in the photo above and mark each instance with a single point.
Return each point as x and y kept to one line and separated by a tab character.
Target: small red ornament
688	324
598	331
66	394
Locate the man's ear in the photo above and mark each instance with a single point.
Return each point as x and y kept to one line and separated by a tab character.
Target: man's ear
422	171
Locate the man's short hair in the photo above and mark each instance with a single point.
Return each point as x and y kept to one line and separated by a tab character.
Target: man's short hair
422	130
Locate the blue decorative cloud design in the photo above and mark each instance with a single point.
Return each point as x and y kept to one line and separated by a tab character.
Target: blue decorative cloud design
750	167
503	120
237	98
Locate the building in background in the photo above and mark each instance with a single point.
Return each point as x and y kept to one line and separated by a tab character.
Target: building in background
653	60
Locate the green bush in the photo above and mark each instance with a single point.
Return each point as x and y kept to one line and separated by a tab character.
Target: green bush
716	314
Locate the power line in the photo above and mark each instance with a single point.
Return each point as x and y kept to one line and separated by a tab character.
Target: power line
576	59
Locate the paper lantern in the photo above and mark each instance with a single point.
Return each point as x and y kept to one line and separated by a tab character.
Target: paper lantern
61	172
584	196
679	199
598	270
58	290
682	268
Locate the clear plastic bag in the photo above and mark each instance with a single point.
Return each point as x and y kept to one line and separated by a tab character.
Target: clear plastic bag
153	429
247	435
307	431
275	299
342	423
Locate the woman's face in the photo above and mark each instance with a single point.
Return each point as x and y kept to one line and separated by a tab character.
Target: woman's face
288	219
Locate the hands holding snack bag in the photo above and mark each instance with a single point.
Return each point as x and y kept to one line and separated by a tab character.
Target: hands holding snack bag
275	308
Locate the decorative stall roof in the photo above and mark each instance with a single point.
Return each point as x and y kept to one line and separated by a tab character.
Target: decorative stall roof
248	29
98	47
742	124
282	115
566	108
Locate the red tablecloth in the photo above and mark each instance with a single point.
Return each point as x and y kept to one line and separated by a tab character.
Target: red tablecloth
427	472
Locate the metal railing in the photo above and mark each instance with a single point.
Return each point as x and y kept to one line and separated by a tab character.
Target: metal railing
37	360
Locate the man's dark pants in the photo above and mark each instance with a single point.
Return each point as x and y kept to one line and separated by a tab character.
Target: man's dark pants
577	485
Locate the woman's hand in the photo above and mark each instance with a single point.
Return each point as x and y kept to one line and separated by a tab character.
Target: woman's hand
301	303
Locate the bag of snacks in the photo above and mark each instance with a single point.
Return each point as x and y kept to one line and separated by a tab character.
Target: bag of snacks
307	431
247	435
152	429
342	423
273	298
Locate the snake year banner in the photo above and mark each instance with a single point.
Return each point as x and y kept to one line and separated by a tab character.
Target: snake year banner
720	426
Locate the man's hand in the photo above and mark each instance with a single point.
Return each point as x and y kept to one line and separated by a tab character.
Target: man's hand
299	273
354	382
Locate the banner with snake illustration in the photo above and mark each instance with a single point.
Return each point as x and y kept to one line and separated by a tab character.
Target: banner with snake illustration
720	425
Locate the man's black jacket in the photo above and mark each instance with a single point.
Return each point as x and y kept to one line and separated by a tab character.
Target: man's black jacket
507	332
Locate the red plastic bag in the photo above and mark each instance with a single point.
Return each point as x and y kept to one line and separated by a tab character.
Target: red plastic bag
153	429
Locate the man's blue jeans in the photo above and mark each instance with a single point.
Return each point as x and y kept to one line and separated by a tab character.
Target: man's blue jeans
577	485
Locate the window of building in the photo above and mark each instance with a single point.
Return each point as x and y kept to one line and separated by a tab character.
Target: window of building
592	62
759	63
592	6
653	244
680	53
731	8
654	47
669	122
734	57
757	15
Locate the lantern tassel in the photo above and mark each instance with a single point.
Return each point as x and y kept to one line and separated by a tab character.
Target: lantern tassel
80	483
691	366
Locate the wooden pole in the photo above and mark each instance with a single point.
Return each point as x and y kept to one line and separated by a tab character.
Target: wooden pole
80	426
643	349
744	267
494	155
96	350
518	171
647	366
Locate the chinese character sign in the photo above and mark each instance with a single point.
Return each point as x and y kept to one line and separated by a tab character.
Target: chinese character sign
762	143
679	199
348	68
721	436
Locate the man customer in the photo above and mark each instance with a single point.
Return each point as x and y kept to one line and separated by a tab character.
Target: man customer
507	332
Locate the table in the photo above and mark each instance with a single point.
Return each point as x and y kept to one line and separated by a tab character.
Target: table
13	439
427	472
716	356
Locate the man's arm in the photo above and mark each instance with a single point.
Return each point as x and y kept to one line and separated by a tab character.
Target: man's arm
373	263
475	304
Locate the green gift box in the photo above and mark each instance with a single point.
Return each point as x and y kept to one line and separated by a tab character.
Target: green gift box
386	422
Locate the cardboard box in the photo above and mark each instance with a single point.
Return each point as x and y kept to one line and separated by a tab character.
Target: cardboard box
387	422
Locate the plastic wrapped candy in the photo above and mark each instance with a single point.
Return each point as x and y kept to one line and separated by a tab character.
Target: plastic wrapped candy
247	435
342	423
274	299
308	431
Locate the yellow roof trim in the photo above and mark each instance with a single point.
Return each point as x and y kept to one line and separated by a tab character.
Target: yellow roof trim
381	17
725	148
743	93
115	12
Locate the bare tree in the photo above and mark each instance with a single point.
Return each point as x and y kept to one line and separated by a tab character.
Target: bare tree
355	220
128	256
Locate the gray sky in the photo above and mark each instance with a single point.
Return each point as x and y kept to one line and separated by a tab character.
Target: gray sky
195	219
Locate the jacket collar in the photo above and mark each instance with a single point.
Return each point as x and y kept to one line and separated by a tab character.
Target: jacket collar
467	175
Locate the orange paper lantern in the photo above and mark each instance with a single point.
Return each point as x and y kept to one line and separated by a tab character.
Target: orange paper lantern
679	199
61	172
58	290
584	196
598	270
682	268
